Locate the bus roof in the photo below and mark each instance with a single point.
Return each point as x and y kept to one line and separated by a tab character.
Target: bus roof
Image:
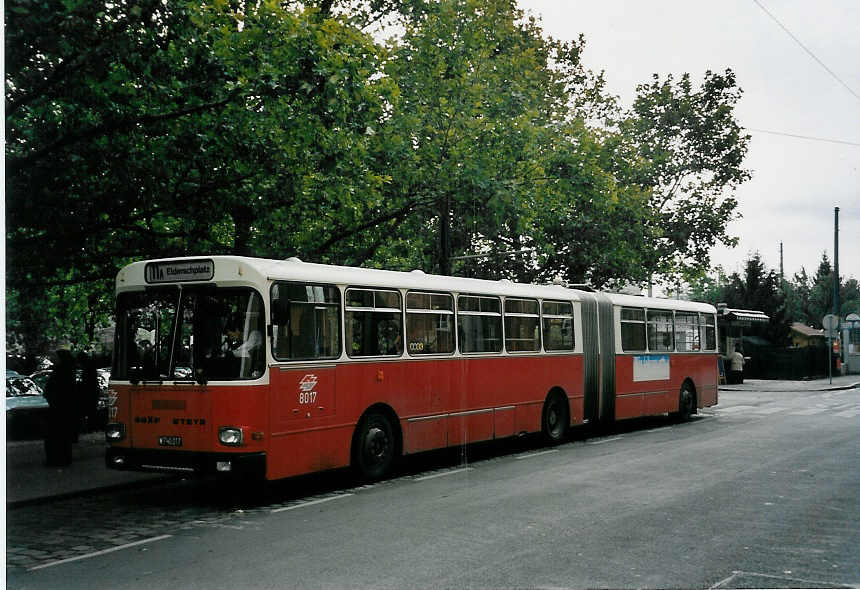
239	270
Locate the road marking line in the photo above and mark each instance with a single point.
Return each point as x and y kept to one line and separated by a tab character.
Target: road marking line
530	455
733	409
605	440
443	474
726	581
311	503
97	553
767	411
793	579
809	412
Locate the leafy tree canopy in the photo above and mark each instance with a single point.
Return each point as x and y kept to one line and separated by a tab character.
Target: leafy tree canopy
757	288
155	128
690	152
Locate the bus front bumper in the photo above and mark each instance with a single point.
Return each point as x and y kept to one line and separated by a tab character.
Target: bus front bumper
196	463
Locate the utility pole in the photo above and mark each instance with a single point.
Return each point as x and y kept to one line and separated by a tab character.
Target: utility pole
836	276
836	262
781	267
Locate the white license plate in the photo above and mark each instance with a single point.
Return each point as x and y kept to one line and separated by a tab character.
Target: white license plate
170	441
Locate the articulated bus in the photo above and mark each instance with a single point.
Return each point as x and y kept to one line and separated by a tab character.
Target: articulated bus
278	368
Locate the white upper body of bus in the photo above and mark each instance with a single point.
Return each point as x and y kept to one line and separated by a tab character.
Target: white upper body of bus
230	271
172	324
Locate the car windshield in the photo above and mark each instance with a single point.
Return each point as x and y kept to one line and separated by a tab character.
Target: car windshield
21	386
211	334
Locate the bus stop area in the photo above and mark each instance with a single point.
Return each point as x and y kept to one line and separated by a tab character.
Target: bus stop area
29	480
822	384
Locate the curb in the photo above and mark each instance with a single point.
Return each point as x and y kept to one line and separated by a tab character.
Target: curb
91	491
827	388
838	387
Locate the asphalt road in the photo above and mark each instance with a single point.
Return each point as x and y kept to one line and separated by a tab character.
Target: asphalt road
760	491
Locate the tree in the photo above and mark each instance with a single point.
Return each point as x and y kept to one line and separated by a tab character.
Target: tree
758	289
160	128
820	294
152	128
690	154
797	292
496	160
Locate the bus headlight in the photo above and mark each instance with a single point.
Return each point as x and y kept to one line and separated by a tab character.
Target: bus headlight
230	436
114	432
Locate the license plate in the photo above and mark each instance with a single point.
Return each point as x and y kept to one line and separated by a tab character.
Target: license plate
170	441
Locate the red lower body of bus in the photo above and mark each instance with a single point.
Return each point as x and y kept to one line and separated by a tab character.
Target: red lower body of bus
304	419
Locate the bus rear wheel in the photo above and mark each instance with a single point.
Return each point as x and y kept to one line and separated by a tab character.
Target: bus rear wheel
556	418
374	445
686	403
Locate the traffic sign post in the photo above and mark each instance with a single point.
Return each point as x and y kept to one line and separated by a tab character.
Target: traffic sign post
830	323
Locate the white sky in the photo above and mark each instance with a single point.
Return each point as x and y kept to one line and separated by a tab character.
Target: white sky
796	183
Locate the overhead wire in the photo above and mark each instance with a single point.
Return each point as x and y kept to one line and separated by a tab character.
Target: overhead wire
806	49
808	137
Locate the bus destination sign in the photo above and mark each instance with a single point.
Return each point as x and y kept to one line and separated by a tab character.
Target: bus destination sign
179	271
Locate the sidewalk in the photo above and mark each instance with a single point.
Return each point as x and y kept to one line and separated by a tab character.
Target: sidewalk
28	480
839	382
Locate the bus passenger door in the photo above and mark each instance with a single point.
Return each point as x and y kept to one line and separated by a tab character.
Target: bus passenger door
301	401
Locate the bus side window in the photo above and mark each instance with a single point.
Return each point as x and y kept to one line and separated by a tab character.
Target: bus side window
661	331
522	321
558	325
306	320
709	329
633	329
429	323
479	323
374	322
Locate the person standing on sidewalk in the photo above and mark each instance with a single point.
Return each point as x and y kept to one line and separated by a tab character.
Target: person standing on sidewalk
737	366
62	412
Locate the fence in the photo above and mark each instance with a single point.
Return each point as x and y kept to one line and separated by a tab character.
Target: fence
769	362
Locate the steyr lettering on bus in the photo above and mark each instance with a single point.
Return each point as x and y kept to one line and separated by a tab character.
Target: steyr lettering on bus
190	421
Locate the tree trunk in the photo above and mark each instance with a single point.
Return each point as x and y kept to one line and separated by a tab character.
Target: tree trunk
445	236
242	218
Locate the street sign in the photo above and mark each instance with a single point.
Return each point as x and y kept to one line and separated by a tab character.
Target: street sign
831	325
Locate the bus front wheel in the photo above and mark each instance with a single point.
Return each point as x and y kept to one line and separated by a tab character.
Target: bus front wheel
374	446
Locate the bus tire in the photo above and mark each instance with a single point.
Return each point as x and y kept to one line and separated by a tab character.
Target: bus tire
555	418
374	446
686	403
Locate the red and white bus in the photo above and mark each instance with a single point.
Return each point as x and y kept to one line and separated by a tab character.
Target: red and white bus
281	367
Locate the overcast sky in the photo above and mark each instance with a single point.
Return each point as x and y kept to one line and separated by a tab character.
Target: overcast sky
796	183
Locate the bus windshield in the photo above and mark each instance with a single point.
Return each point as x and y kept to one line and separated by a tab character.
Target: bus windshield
201	334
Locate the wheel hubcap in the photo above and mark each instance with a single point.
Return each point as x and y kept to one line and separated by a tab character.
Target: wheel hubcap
687	401
376	444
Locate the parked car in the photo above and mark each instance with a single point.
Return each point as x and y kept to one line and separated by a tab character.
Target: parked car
41	378
26	408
